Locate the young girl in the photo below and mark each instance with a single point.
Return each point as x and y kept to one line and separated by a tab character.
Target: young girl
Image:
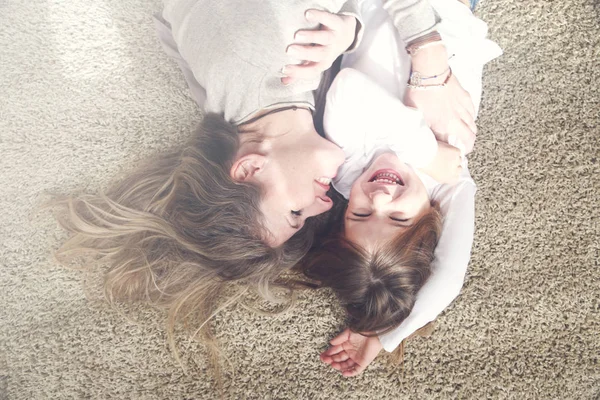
386	190
382	253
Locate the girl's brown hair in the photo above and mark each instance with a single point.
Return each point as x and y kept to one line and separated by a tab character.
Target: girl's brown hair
177	230
377	288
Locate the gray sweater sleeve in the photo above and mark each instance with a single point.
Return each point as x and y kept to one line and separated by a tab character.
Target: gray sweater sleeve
412	18
351	8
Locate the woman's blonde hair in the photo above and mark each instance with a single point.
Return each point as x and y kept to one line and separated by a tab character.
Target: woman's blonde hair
377	288
177	230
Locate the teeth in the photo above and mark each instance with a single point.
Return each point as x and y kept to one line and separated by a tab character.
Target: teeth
385	181
324	181
387	178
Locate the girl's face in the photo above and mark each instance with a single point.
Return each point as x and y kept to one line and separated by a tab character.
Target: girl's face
385	200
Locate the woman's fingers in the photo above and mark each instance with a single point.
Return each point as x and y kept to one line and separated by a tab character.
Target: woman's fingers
469	136
317	49
467	114
320	37
307	52
286	80
463	133
332	21
467	118
467	103
303	71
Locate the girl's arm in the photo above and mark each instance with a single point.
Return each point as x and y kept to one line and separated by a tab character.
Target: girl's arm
351	353
449	266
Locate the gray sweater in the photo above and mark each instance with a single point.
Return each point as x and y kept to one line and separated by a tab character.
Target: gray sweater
412	18
236	49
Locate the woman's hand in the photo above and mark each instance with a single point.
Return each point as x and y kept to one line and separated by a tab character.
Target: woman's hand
318	49
350	353
448	110
446	165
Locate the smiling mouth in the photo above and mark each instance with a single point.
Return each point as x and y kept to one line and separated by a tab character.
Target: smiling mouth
387	177
324	182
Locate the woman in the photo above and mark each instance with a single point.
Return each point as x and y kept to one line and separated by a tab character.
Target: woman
224	207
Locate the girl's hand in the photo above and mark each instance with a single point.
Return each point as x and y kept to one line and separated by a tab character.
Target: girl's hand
449	110
351	352
318	49
447	164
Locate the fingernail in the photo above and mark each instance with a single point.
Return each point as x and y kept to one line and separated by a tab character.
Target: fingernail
299	36
283	70
291	51
309	16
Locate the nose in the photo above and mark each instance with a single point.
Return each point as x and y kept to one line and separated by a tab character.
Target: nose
319	206
380	198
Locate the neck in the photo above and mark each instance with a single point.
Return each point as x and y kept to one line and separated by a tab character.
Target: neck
271	128
272	122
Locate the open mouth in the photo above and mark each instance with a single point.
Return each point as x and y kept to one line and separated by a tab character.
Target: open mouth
387	177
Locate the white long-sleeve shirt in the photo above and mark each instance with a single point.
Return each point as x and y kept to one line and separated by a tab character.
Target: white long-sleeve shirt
363	118
382	58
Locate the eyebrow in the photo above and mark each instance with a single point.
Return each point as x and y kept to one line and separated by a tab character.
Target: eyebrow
295	226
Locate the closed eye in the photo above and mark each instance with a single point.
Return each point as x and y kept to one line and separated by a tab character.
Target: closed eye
361	215
297	221
399	219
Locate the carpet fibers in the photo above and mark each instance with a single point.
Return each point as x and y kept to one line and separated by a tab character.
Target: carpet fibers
87	93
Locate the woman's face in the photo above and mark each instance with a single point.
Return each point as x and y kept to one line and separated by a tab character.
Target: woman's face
295	176
385	200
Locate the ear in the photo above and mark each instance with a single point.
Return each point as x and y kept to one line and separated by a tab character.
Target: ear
246	167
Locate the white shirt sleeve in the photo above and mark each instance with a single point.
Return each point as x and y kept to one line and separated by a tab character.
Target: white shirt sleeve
457	203
360	116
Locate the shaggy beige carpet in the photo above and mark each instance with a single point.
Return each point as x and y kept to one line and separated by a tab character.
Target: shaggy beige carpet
86	92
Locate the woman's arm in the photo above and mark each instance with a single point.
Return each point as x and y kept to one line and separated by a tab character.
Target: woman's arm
448	110
412	18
